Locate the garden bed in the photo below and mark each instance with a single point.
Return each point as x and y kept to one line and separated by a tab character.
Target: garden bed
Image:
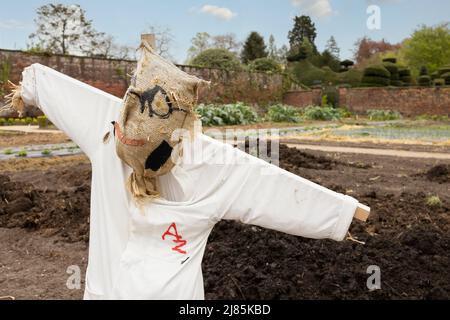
408	238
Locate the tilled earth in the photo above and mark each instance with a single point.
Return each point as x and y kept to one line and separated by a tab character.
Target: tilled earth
44	222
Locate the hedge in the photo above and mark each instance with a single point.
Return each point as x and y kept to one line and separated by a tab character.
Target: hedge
446	77
390	60
424	81
368	81
377	71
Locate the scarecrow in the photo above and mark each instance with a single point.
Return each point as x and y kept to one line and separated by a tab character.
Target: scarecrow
152	207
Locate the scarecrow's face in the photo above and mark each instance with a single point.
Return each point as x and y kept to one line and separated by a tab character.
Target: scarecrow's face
159	101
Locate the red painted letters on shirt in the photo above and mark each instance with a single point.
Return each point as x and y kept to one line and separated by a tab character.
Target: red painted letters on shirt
172	232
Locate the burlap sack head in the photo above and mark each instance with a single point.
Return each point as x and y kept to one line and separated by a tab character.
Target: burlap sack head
160	100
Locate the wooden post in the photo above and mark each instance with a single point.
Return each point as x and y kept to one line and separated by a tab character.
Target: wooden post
362	212
149	38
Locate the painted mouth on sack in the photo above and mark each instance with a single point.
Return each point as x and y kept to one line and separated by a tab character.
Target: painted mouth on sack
158	157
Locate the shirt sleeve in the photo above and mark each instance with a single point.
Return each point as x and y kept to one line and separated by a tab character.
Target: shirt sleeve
258	193
79	110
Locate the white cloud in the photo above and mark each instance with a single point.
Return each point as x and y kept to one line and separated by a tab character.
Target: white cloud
221	13
12	24
316	8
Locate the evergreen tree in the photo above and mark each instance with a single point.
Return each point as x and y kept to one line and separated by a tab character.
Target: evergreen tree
303	29
254	48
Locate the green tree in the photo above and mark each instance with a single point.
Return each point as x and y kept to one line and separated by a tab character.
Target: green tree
254	48
303	51
428	46
217	58
64	29
327	59
303	29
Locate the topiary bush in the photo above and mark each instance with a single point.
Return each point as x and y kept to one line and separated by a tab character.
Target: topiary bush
265	65
446	77
283	113
424	81
377	71
443	70
390	60
394	71
405	76
351	77
423	71
217	58
374	81
376	76
306	73
346	64
439	82
435	75
230	114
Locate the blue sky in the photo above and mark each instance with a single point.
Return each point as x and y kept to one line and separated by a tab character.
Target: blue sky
125	20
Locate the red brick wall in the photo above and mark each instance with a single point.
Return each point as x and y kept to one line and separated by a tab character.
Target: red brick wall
111	76
303	98
410	101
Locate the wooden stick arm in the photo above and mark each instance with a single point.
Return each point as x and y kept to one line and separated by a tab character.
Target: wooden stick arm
362	212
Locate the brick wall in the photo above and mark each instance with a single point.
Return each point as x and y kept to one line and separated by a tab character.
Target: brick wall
410	101
111	76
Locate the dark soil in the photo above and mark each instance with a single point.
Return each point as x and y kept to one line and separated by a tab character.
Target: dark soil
407	239
439	173
60	205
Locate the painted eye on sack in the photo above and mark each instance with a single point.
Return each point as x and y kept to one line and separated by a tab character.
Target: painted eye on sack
157	101
161	106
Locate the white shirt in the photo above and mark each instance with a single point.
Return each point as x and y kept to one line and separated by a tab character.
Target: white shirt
155	252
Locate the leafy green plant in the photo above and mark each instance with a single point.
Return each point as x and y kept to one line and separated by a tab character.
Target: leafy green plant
46	152
383	115
8	152
283	113
433	117
345	113
434	201
22	154
42	121
229	114
321	113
